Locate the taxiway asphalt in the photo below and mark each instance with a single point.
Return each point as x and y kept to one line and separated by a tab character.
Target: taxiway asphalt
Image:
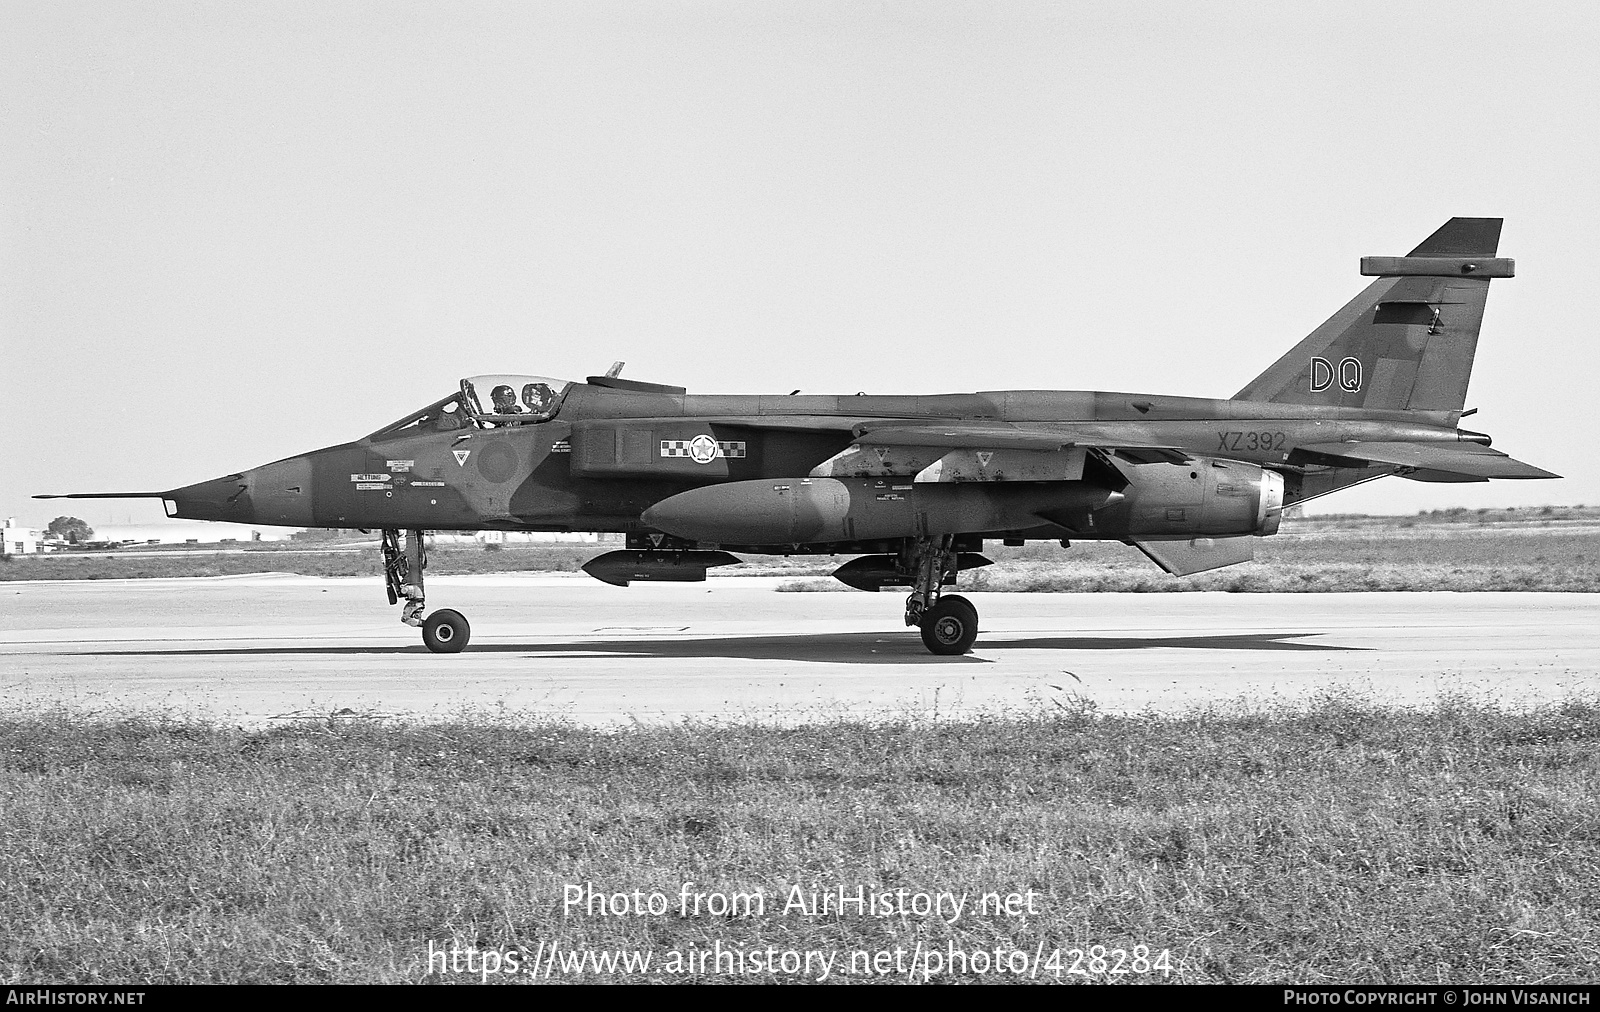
257	648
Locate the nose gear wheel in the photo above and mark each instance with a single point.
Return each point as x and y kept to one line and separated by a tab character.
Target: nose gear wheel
446	631
443	632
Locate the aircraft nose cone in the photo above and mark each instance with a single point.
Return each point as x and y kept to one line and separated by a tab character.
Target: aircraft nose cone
281	493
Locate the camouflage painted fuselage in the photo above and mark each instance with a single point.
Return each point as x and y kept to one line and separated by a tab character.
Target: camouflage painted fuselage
612	453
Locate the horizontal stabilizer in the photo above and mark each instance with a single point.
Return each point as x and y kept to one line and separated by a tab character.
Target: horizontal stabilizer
1185	558
1430	461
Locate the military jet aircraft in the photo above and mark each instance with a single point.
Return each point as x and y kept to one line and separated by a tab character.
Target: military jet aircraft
911	485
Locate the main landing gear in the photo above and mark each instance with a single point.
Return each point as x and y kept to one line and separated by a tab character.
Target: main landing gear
445	631
949	623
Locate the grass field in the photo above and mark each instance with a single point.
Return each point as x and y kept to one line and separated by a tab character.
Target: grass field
362	561
1550	549
1455	550
1326	560
1341	841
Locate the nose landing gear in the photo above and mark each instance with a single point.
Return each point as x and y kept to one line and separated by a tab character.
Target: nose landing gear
443	632
949	624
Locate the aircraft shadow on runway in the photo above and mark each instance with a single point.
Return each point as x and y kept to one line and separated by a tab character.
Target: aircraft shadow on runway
846	648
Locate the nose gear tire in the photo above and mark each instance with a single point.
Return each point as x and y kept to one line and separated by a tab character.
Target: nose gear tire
446	631
950	626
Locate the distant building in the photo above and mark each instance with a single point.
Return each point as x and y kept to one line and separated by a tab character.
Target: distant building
179	532
18	540
514	537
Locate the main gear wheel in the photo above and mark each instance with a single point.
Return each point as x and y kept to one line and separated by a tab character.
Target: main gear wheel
950	626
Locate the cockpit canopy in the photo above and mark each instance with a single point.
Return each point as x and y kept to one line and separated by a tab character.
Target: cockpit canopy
509	399
491	401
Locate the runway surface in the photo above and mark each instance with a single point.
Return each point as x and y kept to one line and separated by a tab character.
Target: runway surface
257	648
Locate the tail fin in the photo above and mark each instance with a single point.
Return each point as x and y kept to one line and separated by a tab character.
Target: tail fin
1407	341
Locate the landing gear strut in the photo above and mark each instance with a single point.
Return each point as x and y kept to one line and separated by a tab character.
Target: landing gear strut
445	631
949	623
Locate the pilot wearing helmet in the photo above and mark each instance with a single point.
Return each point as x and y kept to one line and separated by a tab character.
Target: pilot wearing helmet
505	400
538	397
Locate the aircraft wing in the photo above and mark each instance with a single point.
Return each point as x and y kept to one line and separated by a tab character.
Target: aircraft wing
958	437
1428	461
995	437
954	435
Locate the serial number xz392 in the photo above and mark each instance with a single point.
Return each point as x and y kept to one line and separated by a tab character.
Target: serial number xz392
1252	440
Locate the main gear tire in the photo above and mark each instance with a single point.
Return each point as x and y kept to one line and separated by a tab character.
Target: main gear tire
446	631
950	627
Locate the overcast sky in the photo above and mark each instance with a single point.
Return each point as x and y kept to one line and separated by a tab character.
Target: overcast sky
232	233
